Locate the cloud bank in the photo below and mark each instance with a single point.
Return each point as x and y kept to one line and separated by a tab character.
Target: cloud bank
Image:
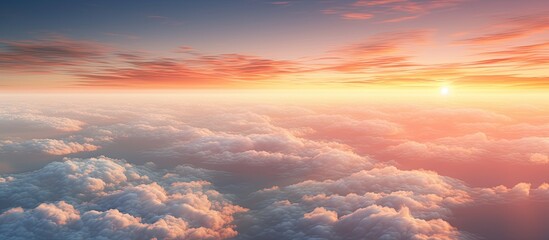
103	198
262	171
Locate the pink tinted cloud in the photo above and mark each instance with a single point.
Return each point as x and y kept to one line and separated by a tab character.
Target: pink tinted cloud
246	67
357	16
47	146
280	3
529	56
134	69
398	10
385	50
389	63
20	118
151	73
419	201
351	207
376	2
386	43
400	19
425	6
511	28
323	187
48	55
200	70
477	147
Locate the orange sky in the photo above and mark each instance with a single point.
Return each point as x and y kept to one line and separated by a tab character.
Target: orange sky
405	44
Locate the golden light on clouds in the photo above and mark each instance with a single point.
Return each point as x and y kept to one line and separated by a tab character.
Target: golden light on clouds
266	119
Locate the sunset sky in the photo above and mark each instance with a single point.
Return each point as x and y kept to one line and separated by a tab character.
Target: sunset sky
387	44
274	120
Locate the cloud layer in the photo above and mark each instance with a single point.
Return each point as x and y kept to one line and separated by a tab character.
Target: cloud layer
247	171
102	198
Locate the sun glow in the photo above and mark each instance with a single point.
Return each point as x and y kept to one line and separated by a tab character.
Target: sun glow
444	91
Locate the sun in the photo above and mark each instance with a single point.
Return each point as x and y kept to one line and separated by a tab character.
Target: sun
444	91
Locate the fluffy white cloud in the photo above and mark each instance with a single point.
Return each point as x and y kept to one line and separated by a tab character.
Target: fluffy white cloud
324	188
475	147
46	146
30	120
343	127
381	203
102	198
503	194
279	154
375	222
243	146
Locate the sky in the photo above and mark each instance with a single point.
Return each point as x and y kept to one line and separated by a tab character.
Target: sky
385	44
248	119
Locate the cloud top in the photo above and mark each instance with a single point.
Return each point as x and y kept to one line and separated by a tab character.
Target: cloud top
103	198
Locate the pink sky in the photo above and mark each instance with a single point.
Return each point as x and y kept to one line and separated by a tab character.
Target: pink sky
496	45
